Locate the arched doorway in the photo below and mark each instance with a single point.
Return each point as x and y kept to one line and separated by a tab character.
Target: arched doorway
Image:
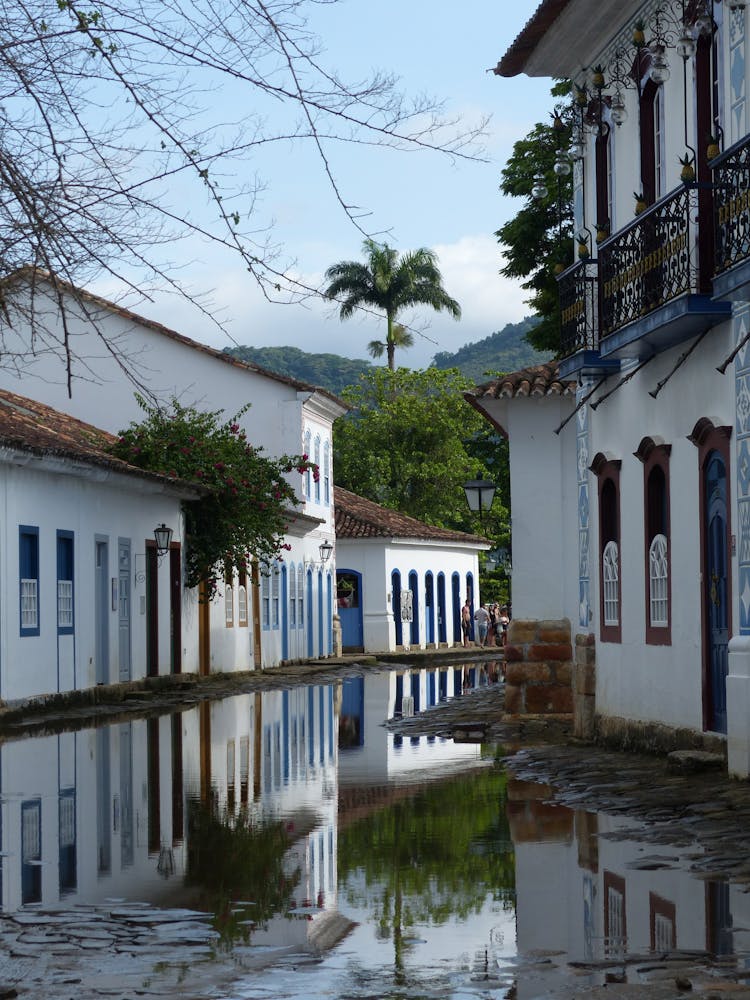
429	608
396	606
456	604
349	608
442	627
414	588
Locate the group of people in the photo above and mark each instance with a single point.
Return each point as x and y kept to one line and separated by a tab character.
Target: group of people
492	624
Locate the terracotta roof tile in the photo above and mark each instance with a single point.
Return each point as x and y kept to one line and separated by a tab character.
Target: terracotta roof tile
28	425
357	517
538	380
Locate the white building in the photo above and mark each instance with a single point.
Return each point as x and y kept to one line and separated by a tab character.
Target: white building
282	612
87	597
629	462
401	583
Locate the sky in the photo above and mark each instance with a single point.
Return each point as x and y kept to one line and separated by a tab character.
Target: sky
413	199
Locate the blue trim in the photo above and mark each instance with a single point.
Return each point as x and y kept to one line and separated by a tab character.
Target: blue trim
66	572
284	614
28	569
733	283
671	324
587	363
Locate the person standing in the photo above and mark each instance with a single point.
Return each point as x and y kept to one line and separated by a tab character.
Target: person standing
466	622
482	618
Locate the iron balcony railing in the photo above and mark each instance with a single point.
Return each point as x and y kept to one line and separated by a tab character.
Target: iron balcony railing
650	262
731	186
579	308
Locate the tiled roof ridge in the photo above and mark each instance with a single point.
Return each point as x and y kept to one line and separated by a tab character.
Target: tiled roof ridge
537	380
32	426
166	331
358	517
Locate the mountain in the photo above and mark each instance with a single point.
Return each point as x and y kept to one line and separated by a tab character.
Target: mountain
329	371
500	352
504	351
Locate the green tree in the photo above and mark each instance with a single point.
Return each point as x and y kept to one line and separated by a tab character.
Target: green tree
389	283
247	498
411	442
537	241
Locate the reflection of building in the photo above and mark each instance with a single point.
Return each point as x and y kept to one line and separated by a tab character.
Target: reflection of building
370	754
400	583
586	897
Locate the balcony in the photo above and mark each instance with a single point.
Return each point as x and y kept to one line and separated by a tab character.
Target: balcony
731	177
578	288
651	290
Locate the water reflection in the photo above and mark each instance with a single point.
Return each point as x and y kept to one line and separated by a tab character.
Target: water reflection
285	843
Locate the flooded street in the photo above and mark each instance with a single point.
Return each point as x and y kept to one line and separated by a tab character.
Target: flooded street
287	843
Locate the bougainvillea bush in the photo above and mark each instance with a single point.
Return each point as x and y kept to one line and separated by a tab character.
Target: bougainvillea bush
246	499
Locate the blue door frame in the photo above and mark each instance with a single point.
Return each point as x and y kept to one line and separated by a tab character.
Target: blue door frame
414	588
716	587
396	600
442	624
429	608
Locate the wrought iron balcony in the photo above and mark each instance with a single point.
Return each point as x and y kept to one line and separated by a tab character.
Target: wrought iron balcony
649	262
731	183
651	293
579	308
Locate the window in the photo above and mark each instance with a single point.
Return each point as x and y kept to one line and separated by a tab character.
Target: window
265	595
308	474
602	162
228	598
242	598
649	102
275	574
607	472
317	462
65	582
655	458
292	596
327	473
660	187
28	559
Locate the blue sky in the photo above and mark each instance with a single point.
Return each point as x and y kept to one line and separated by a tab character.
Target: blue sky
417	199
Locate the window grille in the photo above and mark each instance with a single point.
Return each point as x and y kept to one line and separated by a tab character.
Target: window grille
611	577
658	582
64	603
29	604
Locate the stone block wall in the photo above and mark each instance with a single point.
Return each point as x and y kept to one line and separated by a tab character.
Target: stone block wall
539	668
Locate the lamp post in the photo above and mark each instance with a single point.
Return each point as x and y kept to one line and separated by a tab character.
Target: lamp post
479	495
325	549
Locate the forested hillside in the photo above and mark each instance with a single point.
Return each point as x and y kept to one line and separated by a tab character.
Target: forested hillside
504	351
500	352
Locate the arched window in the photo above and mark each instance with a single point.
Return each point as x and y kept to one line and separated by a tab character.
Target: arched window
607	472
228	598
327	473
292	596
317	462
308	474
657	597
275	573
265	595
242	597
300	597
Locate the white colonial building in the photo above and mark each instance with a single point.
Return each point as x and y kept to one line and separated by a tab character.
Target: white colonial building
87	596
401	583
94	359
630	461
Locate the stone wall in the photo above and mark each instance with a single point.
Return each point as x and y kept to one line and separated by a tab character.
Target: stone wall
584	686
539	668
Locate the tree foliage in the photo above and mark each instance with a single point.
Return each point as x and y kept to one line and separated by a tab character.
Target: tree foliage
247	497
119	135
537	241
389	283
411	442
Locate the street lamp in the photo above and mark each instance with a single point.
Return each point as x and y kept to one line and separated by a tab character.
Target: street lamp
325	551
479	495
163	537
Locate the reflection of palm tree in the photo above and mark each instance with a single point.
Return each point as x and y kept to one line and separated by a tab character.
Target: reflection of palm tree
391	284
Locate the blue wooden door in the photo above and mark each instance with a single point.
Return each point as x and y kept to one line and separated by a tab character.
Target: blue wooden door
429	607
716	590
349	609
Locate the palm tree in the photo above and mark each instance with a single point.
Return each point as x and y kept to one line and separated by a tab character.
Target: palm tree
389	283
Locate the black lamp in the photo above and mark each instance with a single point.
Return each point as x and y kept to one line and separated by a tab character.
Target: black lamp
479	495
325	551
163	537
